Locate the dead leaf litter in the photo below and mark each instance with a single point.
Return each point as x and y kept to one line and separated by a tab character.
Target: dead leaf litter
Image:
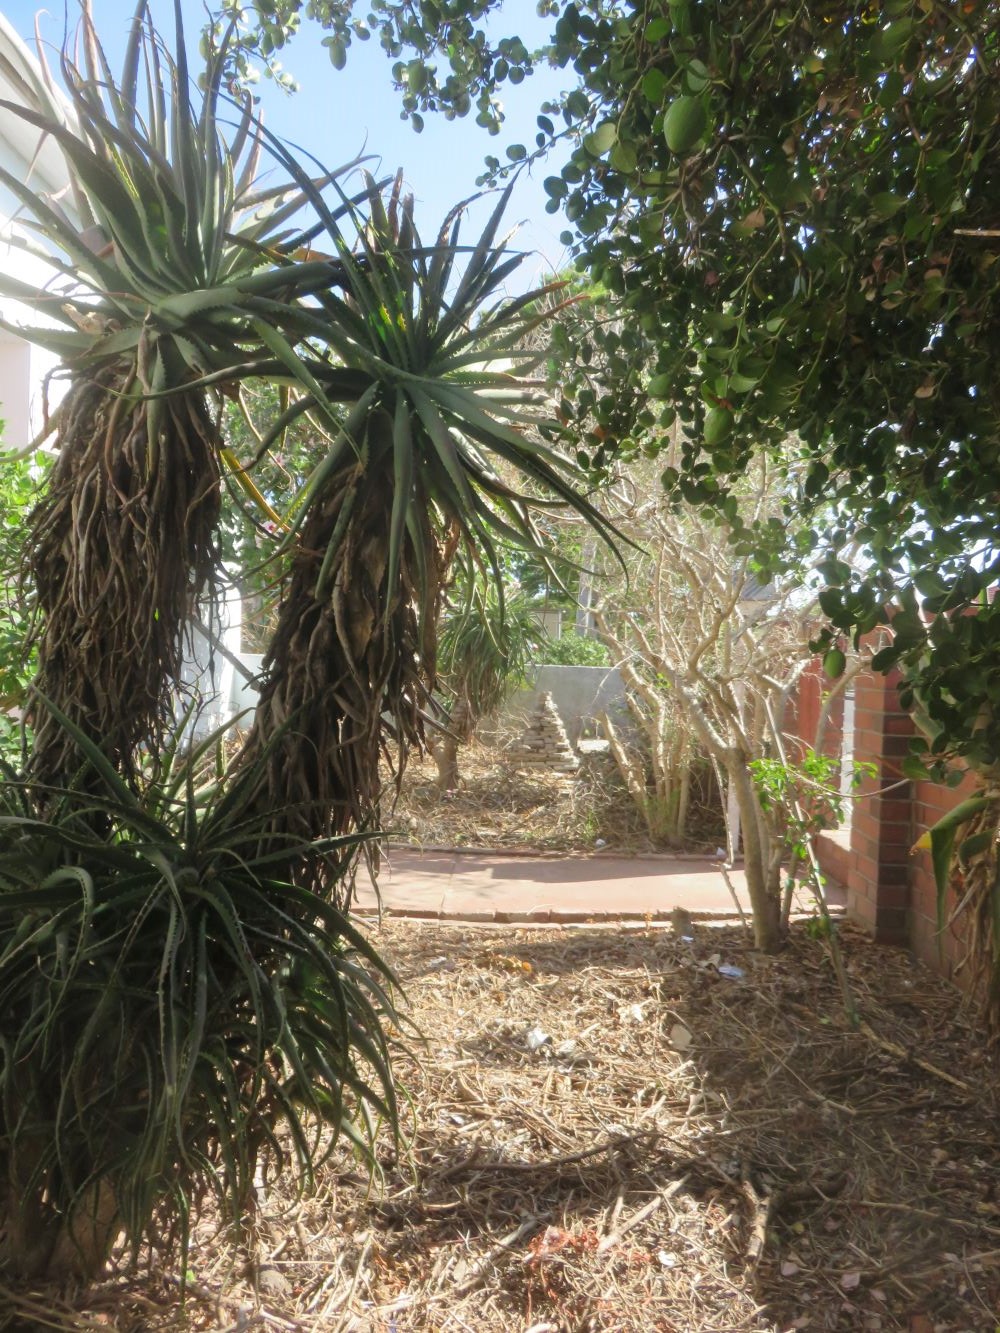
609	1130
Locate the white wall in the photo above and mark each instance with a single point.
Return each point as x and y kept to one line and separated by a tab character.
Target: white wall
38	161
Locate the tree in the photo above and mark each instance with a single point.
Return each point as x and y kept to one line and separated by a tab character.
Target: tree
485	648
176	974
429	31
796	206
176	281
411	484
711	658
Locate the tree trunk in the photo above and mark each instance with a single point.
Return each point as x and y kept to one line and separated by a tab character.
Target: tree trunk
445	749
40	1244
119	553
765	902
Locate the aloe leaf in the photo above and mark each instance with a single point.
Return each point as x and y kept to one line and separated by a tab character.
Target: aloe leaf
942	841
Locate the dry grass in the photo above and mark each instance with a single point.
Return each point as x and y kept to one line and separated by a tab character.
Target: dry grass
684	1151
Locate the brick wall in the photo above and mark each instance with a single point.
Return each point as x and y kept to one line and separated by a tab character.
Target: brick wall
882	821
890	890
806	708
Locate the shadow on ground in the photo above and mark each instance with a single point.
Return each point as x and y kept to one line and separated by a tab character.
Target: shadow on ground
614	1130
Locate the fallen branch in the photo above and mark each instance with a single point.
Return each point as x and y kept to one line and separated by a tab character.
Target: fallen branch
973	1223
763	1210
474	1163
657	1202
506	1243
901	1053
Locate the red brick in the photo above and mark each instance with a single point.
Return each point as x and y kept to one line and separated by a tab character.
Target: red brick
890	925
897	746
865	866
893	874
894	896
897	810
899	724
861	909
896	840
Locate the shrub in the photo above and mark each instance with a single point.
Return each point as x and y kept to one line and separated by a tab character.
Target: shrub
166	1006
574	650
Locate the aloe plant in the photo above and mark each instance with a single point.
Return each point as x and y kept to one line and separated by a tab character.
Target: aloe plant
179	283
174	1018
176	979
446	453
172	275
485	649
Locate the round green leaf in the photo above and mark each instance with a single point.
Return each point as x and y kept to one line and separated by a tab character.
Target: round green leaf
718	426
602	139
684	124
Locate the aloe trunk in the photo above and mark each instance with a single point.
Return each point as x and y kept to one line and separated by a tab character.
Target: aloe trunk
121	546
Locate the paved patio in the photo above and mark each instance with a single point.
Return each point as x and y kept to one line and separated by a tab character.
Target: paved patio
487	886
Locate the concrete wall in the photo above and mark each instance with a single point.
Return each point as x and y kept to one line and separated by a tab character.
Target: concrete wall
208	675
581	694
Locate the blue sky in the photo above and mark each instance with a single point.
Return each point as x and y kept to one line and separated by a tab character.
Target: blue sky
338	114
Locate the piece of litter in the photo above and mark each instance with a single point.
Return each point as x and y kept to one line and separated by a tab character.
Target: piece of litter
666	1260
535	1038
728	970
680	1037
600	842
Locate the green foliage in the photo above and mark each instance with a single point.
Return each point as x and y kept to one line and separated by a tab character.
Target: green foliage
818	258
486	647
250	541
796	209
805	795
445	458
179	278
20	479
574	650
941	839
802	799
166	1006
425	33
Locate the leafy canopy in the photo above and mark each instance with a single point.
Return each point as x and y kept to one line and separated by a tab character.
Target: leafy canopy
795	204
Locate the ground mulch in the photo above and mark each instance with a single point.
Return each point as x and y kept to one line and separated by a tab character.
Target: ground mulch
498	805
622	1130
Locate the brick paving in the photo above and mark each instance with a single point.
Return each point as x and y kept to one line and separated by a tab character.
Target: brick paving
487	886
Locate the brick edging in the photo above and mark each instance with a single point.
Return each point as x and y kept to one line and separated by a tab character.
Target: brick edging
548	854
